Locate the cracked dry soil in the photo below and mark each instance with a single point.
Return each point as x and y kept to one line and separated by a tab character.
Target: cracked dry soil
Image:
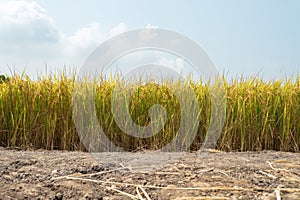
42	174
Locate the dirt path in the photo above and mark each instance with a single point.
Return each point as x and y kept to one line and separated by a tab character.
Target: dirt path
77	175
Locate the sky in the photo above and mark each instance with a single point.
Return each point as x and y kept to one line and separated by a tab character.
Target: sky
249	37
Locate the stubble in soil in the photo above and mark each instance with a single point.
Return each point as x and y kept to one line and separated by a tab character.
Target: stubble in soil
42	174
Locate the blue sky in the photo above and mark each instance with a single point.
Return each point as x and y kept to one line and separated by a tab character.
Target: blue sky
241	37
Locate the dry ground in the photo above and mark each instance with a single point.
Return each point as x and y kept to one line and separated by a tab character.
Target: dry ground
76	175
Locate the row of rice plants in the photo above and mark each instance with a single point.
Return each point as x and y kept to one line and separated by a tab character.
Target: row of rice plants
259	115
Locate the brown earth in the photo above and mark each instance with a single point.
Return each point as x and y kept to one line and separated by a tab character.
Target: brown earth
44	174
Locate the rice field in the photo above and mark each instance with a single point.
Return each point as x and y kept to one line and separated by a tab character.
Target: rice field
260	115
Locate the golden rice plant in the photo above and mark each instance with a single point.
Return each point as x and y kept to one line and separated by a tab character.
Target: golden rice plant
260	115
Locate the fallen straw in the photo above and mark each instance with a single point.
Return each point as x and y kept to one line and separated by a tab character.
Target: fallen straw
218	188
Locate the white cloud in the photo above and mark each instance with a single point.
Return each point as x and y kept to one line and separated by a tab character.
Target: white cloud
117	30
83	40
20	12
151	26
23	22
29	35
147	34
176	64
